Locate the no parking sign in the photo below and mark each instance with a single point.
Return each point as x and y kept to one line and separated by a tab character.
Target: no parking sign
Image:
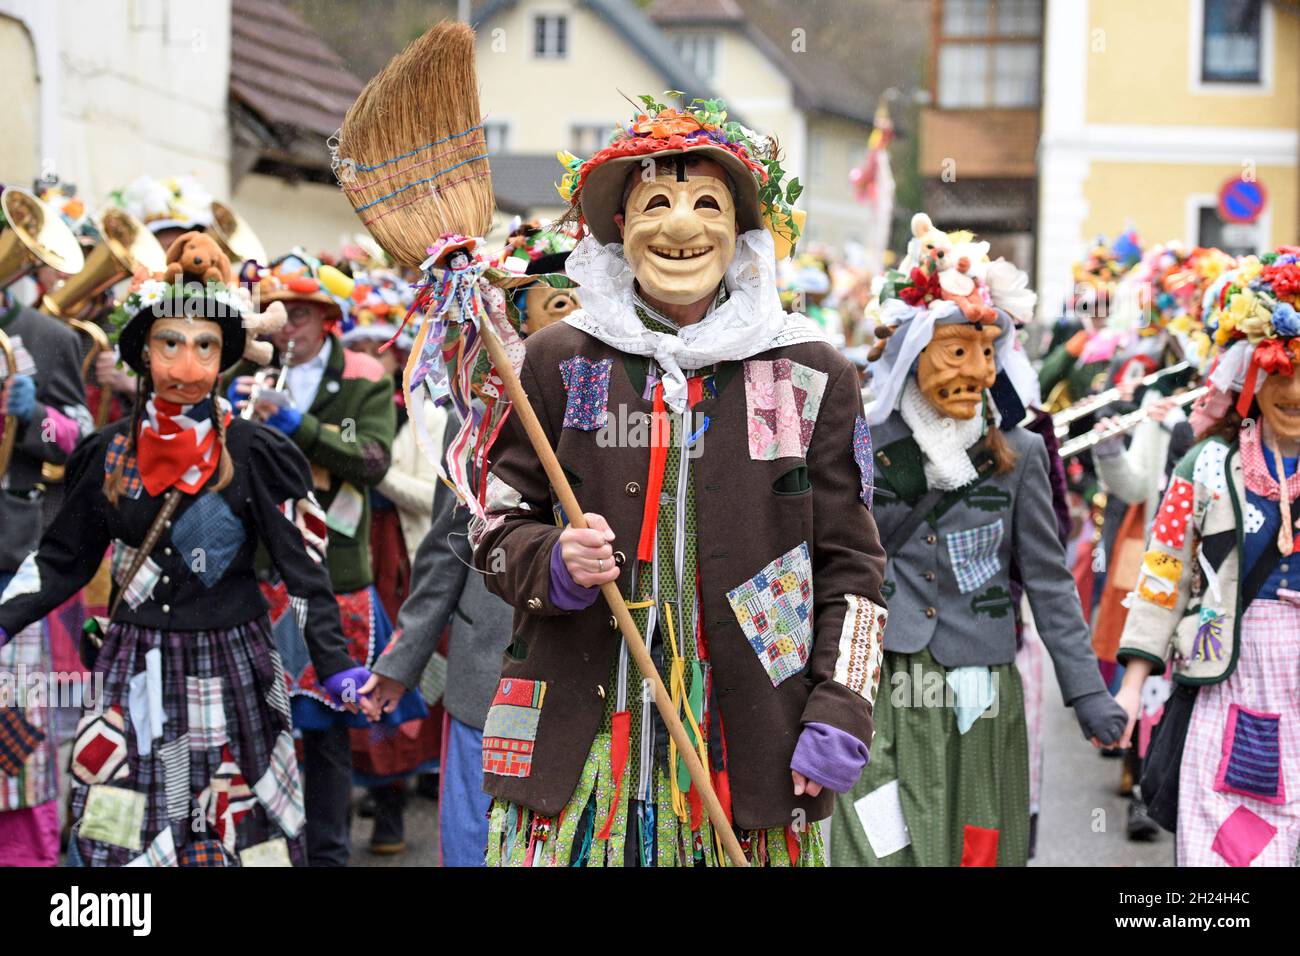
1241	200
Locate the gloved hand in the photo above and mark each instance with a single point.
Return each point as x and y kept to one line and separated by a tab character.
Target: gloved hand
20	398
286	420
1103	720
345	688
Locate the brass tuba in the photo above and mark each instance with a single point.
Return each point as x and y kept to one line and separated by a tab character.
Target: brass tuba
235	236
8	365
126	244
36	235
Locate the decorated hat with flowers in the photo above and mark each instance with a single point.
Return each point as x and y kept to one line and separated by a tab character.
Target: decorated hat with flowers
533	249
298	277
594	188
1251	311
74	210
380	298
157	297
177	202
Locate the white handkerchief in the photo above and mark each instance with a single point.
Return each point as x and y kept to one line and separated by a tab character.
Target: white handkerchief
881	814
974	691
146	704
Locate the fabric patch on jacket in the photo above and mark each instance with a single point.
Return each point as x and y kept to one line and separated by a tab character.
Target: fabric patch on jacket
862	455
146	577
1252	756
26	580
113	815
1210	470
308	517
19	737
974	555
226	800
1253	518
99	747
118	451
862	647
774	609
995	602
511	728
1170	527
586	387
1158	579
782	399
209	536
203	853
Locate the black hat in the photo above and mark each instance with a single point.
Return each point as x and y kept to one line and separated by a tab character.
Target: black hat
190	298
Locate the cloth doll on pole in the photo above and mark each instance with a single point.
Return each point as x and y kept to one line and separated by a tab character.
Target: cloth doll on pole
960	497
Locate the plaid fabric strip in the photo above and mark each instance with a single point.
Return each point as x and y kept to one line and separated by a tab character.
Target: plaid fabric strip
974	555
118	451
206	713
140	588
280	790
18	738
774	609
160	852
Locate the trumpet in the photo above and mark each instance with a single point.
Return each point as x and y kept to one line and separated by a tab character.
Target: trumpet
258	388
1062	420
1125	423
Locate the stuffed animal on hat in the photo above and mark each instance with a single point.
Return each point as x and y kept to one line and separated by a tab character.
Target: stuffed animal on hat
197	253
262	323
933	252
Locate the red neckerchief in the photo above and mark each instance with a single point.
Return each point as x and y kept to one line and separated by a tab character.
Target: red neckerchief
659	435
177	446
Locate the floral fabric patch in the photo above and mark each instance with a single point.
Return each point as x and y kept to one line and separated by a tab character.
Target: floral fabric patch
586	386
774	609
511	728
862	455
862	647
782	399
974	555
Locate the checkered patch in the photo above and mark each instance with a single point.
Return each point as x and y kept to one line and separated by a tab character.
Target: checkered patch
974	555
209	535
511	728
280	790
99	747
118	451
142	585
782	399
586	387
18	738
203	853
161	851
774	609
206	712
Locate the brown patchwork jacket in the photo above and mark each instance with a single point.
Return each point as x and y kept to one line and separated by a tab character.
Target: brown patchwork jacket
776	470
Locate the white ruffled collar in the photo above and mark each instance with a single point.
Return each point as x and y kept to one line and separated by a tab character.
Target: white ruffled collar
943	441
750	321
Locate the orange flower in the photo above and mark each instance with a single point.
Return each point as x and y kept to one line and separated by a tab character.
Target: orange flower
667	122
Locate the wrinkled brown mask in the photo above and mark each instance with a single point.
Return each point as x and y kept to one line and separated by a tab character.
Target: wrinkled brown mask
955	368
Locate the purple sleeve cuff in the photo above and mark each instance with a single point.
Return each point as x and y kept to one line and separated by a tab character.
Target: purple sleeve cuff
829	756
345	686
66	432
565	593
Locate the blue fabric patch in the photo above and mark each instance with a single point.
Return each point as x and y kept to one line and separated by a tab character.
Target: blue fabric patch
862	455
210	528
586	386
974	555
1254	763
291	644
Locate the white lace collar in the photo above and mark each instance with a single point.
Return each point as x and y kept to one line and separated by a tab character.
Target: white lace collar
750	321
943	441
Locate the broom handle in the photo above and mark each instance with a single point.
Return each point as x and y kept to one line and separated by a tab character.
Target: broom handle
631	635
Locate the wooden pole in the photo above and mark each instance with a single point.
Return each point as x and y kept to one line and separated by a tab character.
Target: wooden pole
631	634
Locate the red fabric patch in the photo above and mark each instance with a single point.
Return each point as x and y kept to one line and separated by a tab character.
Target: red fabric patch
979	847
1171	521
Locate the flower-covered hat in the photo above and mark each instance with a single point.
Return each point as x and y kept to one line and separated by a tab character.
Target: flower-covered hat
594	188
298	277
75	212
156	298
178	202
531	249
1253	312
380	297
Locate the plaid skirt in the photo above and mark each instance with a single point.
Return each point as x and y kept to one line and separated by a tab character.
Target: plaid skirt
1239	783
187	758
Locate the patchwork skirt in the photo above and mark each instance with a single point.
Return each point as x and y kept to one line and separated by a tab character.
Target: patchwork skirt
1239	782
187	756
933	795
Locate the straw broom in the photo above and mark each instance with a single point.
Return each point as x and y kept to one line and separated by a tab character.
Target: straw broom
411	159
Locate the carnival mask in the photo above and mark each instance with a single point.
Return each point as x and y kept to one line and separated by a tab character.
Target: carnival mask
679	233
1208	410
544	305
955	368
184	357
1279	406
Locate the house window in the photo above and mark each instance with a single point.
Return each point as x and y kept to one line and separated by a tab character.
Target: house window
1234	238
497	136
1231	41
590	138
699	51
987	54
551	36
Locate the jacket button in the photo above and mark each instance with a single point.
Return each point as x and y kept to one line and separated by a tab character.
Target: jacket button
535	603
632	489
620	558
167	551
929	575
166	579
930	612
613	623
930	539
167	608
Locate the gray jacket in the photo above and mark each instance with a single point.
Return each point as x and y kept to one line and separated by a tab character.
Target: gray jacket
444	584
949	584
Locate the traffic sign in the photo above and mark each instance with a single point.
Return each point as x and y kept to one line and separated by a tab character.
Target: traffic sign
1241	200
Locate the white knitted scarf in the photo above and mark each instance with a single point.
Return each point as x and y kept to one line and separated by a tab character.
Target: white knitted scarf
943	441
